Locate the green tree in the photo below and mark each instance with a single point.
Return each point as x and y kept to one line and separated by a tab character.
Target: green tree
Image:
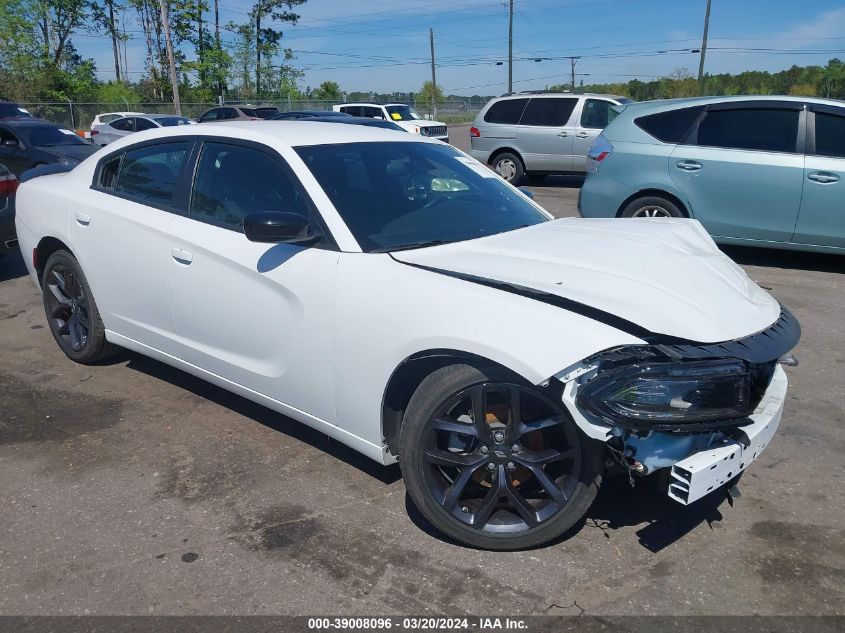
327	91
429	93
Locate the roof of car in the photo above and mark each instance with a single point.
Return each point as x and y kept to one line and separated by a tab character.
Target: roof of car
27	122
286	133
647	107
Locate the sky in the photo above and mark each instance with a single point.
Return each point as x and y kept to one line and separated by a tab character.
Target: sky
383	45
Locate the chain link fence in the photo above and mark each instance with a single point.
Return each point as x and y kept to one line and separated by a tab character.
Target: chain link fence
78	116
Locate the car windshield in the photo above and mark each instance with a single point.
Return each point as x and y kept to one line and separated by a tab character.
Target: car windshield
402	113
260	113
13	110
173	121
50	136
401	195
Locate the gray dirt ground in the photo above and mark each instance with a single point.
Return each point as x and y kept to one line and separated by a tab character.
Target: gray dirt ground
133	488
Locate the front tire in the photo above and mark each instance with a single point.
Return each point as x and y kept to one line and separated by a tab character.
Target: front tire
71	311
494	462
651	207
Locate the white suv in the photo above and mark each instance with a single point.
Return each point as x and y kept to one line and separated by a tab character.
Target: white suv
402	115
540	133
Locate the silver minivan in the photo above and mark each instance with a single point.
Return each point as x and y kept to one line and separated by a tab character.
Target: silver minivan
540	133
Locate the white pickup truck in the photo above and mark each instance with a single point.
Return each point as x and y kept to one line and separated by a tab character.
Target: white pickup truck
402	115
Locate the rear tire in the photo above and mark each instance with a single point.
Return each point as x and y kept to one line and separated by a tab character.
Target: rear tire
509	166
493	485
71	311
652	207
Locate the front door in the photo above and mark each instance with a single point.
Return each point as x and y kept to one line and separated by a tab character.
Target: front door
259	315
742	170
546	133
821	220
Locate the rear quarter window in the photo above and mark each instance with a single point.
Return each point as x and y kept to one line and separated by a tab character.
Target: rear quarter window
830	135
671	126
507	111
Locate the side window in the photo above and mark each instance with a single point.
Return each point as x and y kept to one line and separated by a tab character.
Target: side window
144	124
507	111
7	136
149	174
760	129
233	181
124	125
596	114
353	110
107	178
228	113
830	135
548	112
108	118
372	113
211	115
671	126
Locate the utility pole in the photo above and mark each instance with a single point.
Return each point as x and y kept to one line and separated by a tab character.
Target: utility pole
174	79
572	62
257	47
433	76
217	52
510	48
115	48
200	42
703	49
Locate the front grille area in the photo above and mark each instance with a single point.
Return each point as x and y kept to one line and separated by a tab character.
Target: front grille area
433	130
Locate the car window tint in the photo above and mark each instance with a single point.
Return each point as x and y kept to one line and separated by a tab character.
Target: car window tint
228	113
6	135
107	178
233	181
124	125
149	174
507	111
373	112
211	115
548	112
143	124
761	129
108	118
597	114
671	126
830	135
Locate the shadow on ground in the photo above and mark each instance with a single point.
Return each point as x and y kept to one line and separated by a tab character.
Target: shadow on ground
12	266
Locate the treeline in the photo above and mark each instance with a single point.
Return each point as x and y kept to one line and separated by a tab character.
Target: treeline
808	81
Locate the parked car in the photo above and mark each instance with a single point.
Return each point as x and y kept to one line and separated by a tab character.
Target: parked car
8	186
11	110
539	133
235	113
402	115
357	120
27	143
296	115
377	287
127	125
764	171
107	117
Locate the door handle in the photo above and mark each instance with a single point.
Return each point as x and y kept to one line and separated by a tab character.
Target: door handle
688	165
582	135
824	177
563	134
82	218
182	256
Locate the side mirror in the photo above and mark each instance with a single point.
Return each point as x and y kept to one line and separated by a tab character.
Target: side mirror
527	192
277	227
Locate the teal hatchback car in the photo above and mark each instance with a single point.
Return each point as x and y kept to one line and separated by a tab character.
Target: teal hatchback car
764	171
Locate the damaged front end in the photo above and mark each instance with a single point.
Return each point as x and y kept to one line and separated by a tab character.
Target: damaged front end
704	411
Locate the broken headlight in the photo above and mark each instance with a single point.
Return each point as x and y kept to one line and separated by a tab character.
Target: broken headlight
652	393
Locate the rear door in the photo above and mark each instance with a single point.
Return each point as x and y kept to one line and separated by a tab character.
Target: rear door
546	133
821	220
741	168
594	116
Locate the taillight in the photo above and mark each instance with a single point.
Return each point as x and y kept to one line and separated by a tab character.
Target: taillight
599	150
94	132
8	185
474	132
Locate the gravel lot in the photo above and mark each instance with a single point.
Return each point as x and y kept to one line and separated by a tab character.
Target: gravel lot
133	488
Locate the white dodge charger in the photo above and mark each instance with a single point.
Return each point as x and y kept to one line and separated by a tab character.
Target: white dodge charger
397	295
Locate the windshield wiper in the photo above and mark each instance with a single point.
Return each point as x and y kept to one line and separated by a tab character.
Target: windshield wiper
411	246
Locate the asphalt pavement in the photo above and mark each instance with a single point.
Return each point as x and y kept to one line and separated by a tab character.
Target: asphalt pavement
134	488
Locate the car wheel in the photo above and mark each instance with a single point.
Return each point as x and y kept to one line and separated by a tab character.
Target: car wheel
72	312
494	462
651	207
509	166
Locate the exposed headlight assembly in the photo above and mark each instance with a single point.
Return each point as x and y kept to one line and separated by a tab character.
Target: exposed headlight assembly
672	395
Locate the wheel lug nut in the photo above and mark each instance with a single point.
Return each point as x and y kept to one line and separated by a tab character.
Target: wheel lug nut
511	466
491	467
499	436
485	450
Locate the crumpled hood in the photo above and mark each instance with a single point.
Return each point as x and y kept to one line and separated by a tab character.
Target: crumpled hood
666	275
